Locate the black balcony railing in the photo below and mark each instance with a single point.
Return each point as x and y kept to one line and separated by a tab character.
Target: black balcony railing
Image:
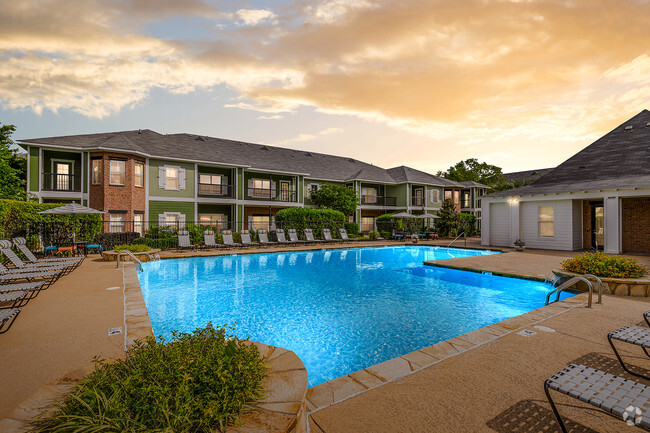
272	194
378	200
417	201
61	182
216	190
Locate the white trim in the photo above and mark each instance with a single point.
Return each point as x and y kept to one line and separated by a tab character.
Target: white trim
135	164
146	189
28	174
61	194
197	177
65	161
181	199
40	171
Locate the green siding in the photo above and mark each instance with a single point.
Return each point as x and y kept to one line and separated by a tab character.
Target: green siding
190	180
34	167
400	192
240	182
159	207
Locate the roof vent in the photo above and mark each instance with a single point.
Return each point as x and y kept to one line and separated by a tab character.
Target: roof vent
351	160
628	127
647	124
264	148
139	131
308	154
199	138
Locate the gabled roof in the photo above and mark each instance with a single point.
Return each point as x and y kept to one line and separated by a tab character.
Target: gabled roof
472	184
619	159
403	174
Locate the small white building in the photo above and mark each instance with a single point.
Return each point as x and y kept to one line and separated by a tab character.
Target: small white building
597	199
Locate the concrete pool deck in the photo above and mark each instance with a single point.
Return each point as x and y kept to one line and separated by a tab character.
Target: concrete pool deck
496	386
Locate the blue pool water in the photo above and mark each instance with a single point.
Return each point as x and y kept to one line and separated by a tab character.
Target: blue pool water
339	310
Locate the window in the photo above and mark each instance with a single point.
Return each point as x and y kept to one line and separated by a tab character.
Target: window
447	194
218	221
260	222
63	171
97	174
457	197
138	223
171	219
117	222
260	188
210	184
171	178
139	174
367	224
118	168
284	191
311	188
546	221
435	196
466	201
368	195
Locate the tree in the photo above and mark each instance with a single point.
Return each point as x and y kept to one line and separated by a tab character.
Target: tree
473	170
336	197
13	168
510	184
449	221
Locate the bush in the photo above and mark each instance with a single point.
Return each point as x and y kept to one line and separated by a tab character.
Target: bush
134	248
467	224
373	235
351	228
384	234
199	382
161	243
109	240
449	222
602	265
388	223
299	218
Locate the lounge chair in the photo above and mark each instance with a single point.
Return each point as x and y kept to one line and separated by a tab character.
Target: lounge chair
209	240
327	234
246	239
623	398
263	237
21	244
646	316
184	240
309	235
7	318
66	267
280	238
32	289
227	239
15	299
293	237
344	235
10	276
633	335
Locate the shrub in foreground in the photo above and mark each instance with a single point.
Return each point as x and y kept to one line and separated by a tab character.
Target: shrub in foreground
198	382
602	265
135	248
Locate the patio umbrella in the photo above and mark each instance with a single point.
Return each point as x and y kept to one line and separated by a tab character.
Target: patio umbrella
72	209
402	215
424	216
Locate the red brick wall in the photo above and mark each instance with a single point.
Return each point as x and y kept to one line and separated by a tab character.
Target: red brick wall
125	197
635	219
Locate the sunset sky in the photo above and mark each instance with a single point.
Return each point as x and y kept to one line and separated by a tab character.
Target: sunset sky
519	84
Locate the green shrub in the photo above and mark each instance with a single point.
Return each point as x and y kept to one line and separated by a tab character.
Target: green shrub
602	265
373	235
134	248
468	224
198	382
384	234
351	228
161	243
109	240
299	218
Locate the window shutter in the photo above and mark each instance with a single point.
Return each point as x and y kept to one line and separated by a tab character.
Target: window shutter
272	189
181	221
225	189
161	219
181	178
250	224
162	177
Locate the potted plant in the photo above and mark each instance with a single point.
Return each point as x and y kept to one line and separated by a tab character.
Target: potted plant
520	245
414	238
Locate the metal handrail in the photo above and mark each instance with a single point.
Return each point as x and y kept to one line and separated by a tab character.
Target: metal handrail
462	234
600	287
568	284
119	254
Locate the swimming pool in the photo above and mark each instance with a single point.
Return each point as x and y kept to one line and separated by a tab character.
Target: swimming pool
339	310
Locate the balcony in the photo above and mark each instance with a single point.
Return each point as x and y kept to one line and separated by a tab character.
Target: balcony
272	194
418	201
378	200
61	182
216	190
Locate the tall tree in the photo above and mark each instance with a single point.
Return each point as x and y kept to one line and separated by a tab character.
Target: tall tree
13	168
336	197
473	170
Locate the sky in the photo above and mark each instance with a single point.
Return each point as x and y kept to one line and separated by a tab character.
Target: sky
521	84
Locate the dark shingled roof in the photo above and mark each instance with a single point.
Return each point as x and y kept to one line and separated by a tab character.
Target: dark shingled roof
521	176
619	159
218	150
403	174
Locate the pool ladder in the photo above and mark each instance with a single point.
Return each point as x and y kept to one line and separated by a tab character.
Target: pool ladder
574	281
464	237
152	257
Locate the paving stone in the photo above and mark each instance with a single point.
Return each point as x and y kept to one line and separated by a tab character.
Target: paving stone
313	427
441	350
334	390
495	330
288	407
286	361
285	386
8	425
391	369
461	345
477	337
366	378
264	421
419	359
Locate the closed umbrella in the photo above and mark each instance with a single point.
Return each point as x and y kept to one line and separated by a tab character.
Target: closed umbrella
72	209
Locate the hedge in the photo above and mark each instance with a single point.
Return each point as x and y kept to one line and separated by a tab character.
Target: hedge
299	218
602	265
